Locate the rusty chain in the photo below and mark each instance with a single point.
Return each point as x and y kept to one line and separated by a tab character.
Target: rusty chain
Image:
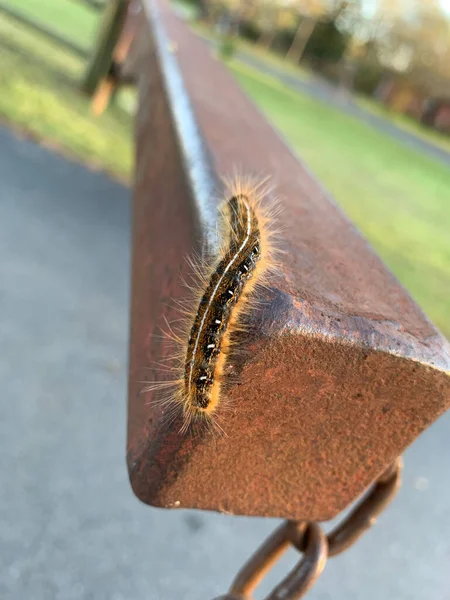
314	545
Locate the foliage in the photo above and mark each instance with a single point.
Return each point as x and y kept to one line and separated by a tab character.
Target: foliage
369	71
249	30
408	37
327	43
226	47
367	77
418	44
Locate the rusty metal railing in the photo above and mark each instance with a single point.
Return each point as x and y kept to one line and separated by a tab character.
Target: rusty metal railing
345	370
359	371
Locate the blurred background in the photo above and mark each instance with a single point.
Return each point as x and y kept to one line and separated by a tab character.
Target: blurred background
361	91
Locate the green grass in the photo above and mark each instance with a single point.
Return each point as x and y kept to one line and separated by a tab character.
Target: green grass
67	17
273	59
405	122
39	89
399	199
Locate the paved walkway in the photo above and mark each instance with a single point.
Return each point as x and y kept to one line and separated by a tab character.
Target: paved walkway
70	527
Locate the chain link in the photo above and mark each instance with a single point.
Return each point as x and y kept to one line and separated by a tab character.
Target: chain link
314	545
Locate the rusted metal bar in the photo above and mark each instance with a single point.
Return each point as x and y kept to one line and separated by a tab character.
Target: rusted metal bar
344	371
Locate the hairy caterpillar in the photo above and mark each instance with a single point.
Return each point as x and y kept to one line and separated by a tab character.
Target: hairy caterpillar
223	292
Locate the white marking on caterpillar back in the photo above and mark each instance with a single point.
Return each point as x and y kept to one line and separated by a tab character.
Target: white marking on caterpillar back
213	295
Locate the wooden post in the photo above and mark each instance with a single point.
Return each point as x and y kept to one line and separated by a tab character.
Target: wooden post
302	36
101	59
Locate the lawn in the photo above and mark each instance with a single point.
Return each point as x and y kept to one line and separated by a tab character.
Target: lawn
405	122
400	199
69	18
39	87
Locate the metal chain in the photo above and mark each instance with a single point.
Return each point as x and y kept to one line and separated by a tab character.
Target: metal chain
314	545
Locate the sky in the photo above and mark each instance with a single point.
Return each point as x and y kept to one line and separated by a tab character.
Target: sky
371	4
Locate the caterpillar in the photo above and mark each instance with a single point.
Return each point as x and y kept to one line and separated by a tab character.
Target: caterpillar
223	292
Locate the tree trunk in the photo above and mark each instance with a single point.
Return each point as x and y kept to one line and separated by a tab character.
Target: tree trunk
301	38
266	38
203	10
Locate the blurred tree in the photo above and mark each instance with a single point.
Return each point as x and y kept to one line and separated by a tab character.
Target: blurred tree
328	43
309	13
417	45
273	17
359	66
410	37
